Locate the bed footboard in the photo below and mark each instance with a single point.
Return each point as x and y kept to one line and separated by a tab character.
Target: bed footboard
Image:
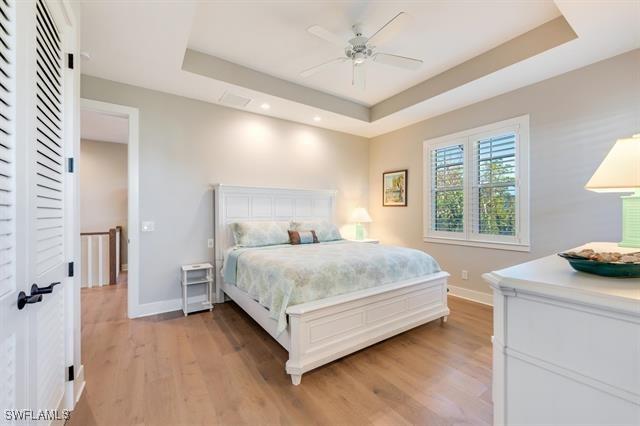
328	329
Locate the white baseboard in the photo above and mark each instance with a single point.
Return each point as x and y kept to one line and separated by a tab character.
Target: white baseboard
164	306
154	308
78	384
59	419
474	296
72	393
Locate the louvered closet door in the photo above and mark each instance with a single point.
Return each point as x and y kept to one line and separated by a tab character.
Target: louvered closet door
13	327
47	186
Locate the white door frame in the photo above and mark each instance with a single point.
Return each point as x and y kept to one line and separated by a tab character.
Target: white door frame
133	209
72	310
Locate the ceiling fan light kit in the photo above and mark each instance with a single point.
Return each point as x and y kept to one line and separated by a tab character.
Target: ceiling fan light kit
360	49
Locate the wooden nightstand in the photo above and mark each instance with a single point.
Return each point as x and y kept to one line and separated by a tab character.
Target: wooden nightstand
193	275
365	240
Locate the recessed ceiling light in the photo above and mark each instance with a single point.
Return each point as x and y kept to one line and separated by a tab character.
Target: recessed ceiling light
317	118
265	106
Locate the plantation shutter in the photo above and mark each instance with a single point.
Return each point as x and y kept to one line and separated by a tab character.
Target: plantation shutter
493	201
477	186
49	153
447	188
7	147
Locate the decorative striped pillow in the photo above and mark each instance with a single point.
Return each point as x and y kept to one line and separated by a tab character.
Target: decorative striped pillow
326	231
302	237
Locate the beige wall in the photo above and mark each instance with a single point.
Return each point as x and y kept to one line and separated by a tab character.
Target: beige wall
575	120
103	188
186	145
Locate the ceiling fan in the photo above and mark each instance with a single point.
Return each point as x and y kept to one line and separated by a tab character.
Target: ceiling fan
360	49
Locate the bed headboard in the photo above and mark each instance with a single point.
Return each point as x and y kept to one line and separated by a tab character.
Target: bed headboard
244	203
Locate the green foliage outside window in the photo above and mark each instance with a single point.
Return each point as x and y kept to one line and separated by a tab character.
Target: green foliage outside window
449	193
493	202
497	202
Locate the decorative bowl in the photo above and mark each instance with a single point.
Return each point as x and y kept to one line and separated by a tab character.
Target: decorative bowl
617	270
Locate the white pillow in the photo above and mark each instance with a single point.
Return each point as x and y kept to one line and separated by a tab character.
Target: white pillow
256	234
325	231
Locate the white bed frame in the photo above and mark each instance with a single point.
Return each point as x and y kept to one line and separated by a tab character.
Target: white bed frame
324	330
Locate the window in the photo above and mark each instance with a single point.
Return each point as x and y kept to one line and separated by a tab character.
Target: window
477	186
448	188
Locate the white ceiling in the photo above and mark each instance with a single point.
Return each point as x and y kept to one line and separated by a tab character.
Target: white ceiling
144	42
272	37
103	127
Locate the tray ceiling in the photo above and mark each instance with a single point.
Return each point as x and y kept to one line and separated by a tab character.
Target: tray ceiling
272	37
257	49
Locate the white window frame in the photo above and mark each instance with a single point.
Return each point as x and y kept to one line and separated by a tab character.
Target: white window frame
519	242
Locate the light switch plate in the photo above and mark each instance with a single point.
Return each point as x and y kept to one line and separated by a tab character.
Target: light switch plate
148	226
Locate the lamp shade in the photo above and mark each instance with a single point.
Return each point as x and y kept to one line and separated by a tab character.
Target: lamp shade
360	215
620	169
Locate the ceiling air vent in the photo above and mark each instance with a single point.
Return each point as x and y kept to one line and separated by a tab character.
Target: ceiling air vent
234	100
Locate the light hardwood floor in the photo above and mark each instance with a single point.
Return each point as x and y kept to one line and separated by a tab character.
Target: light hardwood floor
220	368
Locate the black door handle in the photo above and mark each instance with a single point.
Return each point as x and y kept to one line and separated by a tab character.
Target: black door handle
35	290
24	300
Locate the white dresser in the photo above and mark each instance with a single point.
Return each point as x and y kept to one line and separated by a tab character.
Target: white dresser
566	346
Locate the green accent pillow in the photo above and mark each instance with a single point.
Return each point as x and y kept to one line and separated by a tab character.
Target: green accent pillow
257	234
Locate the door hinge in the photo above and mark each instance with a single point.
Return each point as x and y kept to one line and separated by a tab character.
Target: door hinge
70	165
70	374
70	271
70	60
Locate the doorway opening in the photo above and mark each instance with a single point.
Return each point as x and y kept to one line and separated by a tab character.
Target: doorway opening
108	213
103	199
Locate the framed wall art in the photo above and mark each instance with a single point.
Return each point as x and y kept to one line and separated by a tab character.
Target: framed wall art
394	188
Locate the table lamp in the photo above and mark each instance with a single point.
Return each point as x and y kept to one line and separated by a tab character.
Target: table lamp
620	172
360	216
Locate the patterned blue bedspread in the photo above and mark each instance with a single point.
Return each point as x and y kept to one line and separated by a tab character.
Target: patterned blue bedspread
286	275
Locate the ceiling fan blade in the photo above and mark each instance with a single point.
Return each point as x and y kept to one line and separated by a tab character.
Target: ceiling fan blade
359	78
398	61
390	29
310	71
327	35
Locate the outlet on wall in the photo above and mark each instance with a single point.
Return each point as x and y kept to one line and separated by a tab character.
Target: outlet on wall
148	226
465	274
210	243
